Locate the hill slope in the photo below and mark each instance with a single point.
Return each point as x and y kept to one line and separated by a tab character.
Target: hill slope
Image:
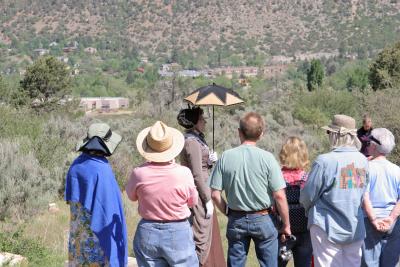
237	27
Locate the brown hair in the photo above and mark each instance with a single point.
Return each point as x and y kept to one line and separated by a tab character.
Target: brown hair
252	126
294	154
366	117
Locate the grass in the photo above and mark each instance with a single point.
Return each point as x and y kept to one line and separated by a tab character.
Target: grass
48	234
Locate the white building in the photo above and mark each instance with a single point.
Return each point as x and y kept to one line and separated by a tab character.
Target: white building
41	51
105	104
90	50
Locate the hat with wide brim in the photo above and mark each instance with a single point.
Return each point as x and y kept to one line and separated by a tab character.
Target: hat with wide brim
342	124
160	143
102	130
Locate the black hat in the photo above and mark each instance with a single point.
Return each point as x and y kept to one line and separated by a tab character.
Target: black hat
189	117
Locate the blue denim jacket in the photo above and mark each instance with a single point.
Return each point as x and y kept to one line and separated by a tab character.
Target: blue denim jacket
333	193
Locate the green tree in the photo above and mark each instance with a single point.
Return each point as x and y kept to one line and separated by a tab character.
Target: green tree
47	80
3	90
358	78
385	69
315	75
130	78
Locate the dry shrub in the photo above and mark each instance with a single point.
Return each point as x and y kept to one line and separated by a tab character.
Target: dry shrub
25	185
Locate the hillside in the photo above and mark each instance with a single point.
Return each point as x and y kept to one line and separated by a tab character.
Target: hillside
211	30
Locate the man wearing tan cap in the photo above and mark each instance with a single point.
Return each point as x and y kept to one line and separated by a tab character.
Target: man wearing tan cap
165	190
332	197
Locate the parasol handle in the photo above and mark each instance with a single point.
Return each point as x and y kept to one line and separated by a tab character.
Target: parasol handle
213	130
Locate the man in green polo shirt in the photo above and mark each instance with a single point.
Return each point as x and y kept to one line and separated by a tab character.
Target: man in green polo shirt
252	180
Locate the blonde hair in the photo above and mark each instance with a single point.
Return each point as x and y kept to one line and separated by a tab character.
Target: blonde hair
294	154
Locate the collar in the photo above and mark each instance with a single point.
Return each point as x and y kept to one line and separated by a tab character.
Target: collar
345	149
94	157
197	134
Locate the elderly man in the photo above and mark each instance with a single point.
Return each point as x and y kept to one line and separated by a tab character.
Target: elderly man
382	204
332	197
252	180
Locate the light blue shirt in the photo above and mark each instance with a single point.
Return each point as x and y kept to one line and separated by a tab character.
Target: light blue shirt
384	186
333	193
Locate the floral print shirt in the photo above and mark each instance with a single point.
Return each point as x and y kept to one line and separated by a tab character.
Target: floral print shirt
84	246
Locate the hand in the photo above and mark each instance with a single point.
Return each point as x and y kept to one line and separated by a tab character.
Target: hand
209	209
387	223
285	232
212	157
383	224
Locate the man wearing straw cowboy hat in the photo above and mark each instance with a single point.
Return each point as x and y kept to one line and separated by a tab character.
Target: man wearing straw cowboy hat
165	190
332	197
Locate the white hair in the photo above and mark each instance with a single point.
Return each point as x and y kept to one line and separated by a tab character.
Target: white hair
340	140
386	138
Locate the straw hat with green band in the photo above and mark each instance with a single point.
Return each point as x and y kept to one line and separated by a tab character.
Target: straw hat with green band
160	143
103	131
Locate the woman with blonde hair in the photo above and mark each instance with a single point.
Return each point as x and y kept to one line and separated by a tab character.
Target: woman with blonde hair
294	161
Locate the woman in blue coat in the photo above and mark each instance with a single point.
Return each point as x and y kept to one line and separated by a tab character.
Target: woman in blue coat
97	226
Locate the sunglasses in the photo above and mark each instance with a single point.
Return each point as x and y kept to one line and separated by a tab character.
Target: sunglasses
371	138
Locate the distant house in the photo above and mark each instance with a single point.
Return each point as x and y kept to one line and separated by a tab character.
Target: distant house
189	73
90	50
164	73
144	60
75	72
41	51
103	104
275	70
171	67
70	49
63	59
229	72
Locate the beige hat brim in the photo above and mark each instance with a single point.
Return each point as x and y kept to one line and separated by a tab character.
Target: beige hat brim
335	130
328	128
111	143
178	141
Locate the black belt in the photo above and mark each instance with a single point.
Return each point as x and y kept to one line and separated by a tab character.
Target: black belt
167	221
244	212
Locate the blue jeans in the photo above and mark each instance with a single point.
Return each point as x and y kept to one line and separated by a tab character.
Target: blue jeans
242	229
164	244
302	251
381	249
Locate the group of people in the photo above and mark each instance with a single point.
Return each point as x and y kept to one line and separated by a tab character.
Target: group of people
341	211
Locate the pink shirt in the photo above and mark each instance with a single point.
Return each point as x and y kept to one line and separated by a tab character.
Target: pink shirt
165	191
294	176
